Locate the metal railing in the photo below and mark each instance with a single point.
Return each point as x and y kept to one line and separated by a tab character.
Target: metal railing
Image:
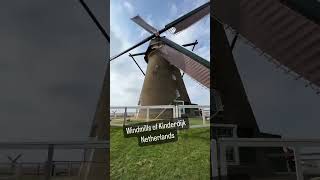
122	112
205	113
220	164
46	168
138	108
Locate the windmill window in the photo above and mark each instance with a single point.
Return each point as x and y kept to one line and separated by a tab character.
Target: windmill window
224	131
174	77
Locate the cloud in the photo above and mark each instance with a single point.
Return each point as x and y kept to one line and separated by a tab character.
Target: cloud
129	7
125	78
173	9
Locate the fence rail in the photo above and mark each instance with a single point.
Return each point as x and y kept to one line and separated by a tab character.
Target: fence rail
47	168
177	112
56	144
220	164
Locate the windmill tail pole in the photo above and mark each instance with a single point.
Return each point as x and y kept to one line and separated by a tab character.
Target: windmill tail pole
137	64
140	43
190	44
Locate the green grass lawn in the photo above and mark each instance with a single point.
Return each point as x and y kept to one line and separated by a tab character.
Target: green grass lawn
187	158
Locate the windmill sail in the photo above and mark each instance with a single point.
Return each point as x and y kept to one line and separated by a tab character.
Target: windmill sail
144	24
179	24
193	65
191	18
292	39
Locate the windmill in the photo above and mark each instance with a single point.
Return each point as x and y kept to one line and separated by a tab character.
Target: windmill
163	83
284	33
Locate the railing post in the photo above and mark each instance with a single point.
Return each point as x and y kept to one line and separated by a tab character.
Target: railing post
214	159
203	117
223	162
49	162
69	168
174	112
19	171
235	148
38	169
125	114
177	110
299	170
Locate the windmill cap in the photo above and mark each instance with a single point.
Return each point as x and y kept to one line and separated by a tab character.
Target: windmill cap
154	44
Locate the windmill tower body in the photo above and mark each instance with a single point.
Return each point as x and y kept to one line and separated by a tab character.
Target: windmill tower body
163	83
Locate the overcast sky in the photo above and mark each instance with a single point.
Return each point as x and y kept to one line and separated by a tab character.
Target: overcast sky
52	62
126	79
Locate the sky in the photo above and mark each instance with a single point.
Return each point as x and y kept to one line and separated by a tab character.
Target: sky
125	78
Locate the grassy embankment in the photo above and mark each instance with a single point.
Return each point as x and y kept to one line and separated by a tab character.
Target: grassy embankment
188	158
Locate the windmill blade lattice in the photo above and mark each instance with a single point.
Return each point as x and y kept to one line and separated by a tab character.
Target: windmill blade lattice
193	65
291	39
189	19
